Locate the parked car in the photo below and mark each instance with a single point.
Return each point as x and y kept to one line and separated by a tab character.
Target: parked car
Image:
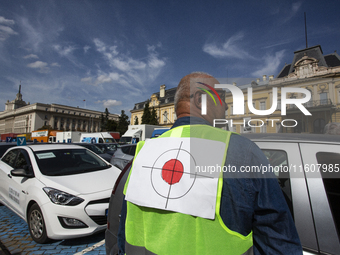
307	168
5	146
61	191
123	155
109	148
96	149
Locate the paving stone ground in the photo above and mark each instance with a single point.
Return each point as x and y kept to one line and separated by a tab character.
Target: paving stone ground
15	237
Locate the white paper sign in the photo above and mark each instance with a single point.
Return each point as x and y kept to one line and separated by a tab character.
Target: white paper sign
167	174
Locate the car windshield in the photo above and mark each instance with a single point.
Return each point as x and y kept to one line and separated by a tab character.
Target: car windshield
125	139
110	140
61	162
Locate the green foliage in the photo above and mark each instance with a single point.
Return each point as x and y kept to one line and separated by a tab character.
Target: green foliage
149	116
146	117
123	123
49	127
154	119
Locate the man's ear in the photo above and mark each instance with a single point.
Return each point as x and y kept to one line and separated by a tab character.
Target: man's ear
198	99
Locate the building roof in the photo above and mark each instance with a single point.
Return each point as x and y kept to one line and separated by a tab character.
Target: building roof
330	60
168	98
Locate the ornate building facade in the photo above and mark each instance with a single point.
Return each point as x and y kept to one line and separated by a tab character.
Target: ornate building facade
310	69
162	102
21	117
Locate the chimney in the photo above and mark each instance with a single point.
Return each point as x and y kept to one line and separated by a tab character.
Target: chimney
258	80
234	83
162	91
271	77
264	77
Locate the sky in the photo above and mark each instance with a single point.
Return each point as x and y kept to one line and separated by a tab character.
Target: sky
113	54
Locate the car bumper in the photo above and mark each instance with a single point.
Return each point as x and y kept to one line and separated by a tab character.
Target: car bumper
91	212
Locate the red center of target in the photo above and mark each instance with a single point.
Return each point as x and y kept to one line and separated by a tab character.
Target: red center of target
172	171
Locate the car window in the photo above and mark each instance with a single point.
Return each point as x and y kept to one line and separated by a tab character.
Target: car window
100	140
22	160
68	161
279	160
132	150
9	158
329	168
125	149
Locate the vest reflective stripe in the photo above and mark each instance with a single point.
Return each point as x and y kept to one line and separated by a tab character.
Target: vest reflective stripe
165	232
137	250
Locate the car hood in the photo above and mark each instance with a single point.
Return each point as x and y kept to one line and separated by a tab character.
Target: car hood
80	184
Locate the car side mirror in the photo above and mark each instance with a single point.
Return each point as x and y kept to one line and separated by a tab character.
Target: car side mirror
20	172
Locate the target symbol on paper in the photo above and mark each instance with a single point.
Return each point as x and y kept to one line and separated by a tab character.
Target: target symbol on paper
173	173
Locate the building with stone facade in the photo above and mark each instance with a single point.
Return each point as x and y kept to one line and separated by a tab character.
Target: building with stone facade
162	102
21	117
310	69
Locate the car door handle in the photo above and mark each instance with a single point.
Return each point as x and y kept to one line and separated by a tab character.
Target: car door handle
10	176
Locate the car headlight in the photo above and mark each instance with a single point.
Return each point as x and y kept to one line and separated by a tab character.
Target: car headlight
62	198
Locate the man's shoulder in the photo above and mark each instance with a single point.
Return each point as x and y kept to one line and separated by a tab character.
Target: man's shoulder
240	141
242	150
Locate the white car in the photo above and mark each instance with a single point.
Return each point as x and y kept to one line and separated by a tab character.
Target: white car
308	170
61	191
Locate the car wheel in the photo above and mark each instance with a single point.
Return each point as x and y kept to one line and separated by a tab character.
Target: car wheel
36	224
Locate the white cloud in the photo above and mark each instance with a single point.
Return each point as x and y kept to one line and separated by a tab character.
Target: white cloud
109	103
292	12
64	51
41	66
230	49
55	64
5	21
271	64
30	56
87	80
37	64
5	30
130	71
86	48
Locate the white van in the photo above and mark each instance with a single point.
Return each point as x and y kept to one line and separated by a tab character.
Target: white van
102	137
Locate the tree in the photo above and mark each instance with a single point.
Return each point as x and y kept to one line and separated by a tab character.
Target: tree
49	127
123	123
146	117
153	119
111	125
104	120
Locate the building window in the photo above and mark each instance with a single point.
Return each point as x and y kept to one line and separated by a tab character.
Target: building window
263	128
323	98
310	102
46	117
165	117
278	104
46	109
56	110
262	105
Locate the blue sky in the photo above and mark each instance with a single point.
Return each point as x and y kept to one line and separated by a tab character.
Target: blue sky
114	54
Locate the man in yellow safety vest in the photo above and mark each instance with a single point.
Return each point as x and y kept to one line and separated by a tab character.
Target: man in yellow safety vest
186	193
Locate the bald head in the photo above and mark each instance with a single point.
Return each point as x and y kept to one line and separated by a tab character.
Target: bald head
185	88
